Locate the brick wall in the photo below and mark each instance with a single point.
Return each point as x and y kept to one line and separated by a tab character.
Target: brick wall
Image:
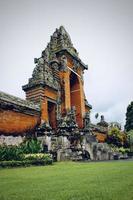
12	122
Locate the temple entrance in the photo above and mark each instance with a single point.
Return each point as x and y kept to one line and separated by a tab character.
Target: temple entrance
52	114
75	96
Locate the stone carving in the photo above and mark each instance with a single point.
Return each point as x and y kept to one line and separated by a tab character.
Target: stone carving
76	65
50	80
87	120
39	61
48	75
61	40
55	65
37	73
44	129
46	54
63	62
42	74
53	59
102	123
68	122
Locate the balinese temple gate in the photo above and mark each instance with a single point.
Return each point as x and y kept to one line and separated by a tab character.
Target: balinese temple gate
56	110
57	84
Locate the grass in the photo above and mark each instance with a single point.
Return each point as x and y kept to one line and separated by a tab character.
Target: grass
69	181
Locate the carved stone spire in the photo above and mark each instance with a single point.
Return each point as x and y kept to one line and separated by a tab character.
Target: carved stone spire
49	64
60	40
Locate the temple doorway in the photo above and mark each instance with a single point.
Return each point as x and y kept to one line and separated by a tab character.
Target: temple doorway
52	114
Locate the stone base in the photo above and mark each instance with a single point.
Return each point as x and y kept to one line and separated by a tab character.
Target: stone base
65	148
11	140
86	149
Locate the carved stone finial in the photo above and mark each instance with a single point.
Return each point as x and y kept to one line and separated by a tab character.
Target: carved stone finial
102	118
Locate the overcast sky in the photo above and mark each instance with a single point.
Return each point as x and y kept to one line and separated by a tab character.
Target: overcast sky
101	31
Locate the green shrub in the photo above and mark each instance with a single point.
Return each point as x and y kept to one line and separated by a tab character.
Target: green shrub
10	153
23	155
124	150
17	152
14	163
40	156
31	146
25	163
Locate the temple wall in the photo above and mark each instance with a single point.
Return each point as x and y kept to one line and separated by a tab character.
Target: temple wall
35	94
50	93
12	122
17	116
44	110
11	140
101	137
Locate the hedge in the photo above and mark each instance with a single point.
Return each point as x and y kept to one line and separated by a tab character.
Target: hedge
25	163
12	152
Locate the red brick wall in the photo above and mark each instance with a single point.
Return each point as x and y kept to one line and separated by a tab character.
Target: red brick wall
15	122
100	137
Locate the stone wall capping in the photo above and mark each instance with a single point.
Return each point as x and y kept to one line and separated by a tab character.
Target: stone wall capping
8	101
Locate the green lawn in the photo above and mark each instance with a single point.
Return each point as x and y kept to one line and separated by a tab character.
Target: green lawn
69	181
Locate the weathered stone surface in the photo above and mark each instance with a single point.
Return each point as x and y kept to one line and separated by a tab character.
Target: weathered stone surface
42	75
87	121
11	140
68	122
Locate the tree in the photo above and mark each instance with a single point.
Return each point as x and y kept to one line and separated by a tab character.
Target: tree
115	137
130	139
129	117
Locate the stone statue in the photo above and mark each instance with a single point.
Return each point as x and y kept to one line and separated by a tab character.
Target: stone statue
55	65
102	122
63	61
87	120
